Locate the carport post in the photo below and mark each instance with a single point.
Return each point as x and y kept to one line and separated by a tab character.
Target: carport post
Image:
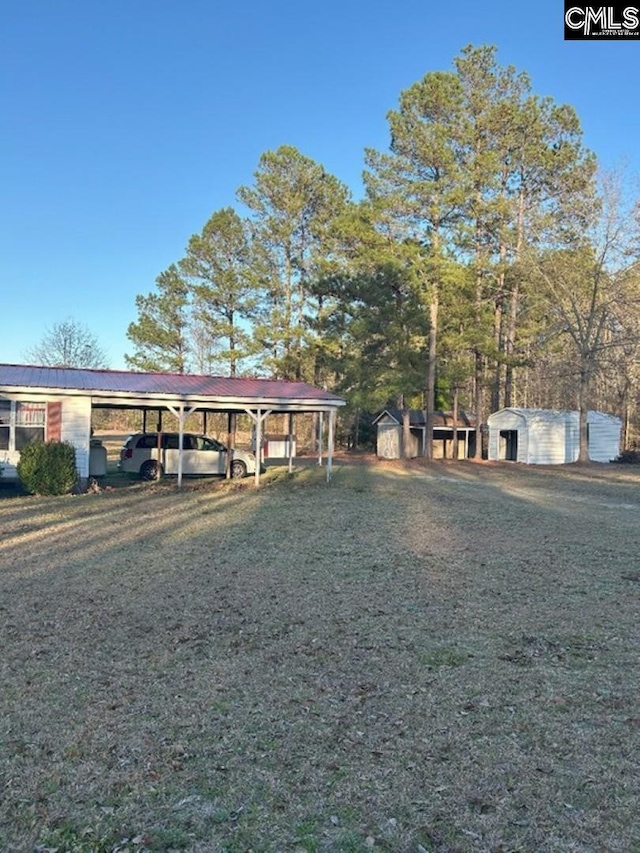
231	442
181	415
291	416
332	425
258	417
256	475
180	445
320	435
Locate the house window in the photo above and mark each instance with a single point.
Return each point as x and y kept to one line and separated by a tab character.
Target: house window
21	423
30	420
5	424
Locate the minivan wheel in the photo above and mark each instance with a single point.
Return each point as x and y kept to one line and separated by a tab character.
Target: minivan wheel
238	469
149	470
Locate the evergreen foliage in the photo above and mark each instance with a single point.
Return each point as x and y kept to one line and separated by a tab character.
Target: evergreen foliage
480	265
161	334
48	468
224	291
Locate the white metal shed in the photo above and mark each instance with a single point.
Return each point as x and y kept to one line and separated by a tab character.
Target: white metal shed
551	437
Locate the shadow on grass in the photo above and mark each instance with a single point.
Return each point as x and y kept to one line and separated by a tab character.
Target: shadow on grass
405	657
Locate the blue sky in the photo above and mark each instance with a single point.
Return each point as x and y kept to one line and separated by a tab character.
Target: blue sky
125	125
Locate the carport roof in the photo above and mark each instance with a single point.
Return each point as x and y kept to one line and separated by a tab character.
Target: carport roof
120	387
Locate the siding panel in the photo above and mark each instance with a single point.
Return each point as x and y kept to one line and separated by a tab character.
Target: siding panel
76	428
547	437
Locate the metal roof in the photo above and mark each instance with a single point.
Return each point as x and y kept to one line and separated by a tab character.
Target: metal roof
102	383
546	416
417	418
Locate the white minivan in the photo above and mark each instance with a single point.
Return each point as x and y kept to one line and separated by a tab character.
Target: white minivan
200	455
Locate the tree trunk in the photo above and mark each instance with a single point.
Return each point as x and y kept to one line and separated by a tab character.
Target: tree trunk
510	338
497	376
430	395
583	404
479	361
406	433
510	345
479	395
454	449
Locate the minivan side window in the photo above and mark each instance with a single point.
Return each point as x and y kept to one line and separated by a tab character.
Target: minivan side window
171	441
209	444
146	442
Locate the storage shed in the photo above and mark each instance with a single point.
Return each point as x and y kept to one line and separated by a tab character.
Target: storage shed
389	434
551	437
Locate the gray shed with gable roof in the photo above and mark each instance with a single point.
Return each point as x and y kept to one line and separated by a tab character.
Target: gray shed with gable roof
389	434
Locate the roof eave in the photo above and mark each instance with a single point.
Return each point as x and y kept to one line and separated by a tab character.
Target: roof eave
119	398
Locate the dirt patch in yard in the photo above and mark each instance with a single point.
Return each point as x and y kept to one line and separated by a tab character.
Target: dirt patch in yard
439	658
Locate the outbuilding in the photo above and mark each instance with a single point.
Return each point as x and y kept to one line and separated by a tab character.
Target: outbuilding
388	425
551	437
55	403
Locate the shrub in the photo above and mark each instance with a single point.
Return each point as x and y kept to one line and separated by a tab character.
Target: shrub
629	457
48	468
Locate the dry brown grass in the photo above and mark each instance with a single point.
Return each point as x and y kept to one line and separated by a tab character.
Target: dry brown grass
411	659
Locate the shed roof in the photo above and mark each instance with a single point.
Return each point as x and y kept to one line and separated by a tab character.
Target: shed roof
120	386
536	417
417	418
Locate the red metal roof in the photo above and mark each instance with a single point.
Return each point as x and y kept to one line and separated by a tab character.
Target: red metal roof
172	384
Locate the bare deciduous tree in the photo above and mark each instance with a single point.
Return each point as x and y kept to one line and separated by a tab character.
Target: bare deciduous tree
590	288
68	343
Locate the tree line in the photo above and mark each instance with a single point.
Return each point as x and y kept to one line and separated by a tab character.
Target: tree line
488	264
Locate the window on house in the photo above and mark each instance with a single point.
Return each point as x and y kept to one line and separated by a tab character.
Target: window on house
30	421
5	423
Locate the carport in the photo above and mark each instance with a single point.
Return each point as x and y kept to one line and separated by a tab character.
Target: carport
66	397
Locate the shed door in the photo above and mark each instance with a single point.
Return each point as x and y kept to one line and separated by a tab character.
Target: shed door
508	445
389	441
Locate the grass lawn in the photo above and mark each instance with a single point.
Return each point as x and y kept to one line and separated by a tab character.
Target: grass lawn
409	659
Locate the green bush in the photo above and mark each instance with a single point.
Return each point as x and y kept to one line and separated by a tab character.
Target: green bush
48	468
629	457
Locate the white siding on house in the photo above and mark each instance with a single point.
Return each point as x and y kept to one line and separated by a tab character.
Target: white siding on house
76	429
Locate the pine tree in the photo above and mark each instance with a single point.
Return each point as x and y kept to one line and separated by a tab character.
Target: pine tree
292	205
218	267
161	334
